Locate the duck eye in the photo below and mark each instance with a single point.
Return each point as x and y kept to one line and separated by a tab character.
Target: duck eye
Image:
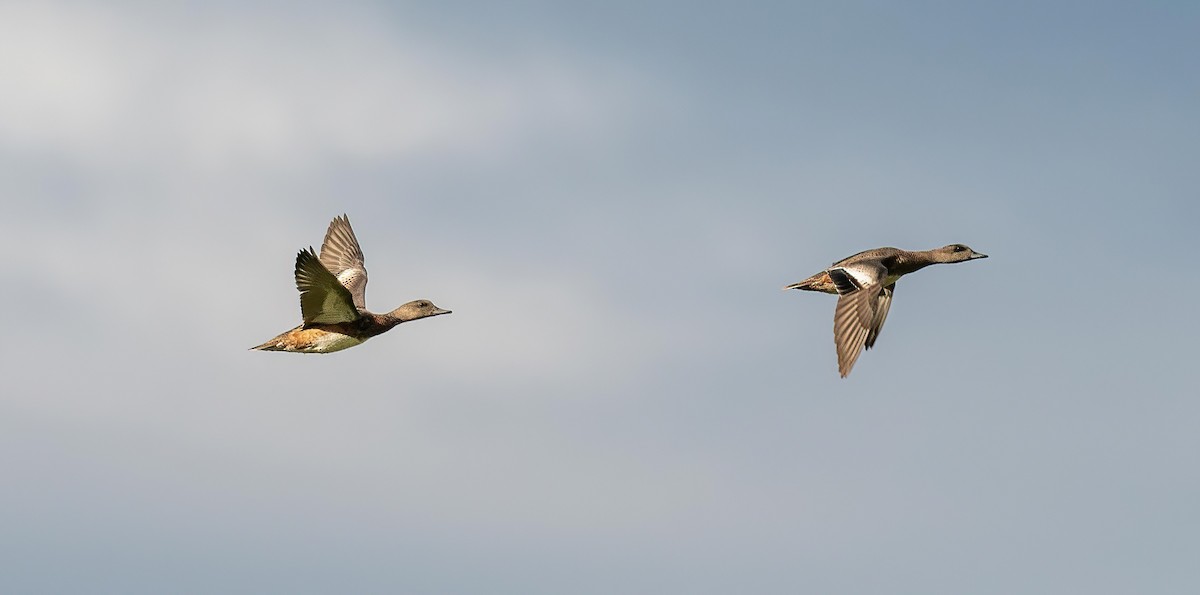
959	248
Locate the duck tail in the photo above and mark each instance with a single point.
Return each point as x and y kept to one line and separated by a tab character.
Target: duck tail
819	282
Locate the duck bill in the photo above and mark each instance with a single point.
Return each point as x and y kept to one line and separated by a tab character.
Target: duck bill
440	311
977	255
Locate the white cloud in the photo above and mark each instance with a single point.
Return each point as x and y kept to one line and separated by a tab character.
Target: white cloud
118	89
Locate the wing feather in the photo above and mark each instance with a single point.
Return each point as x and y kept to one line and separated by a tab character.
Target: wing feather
857	317
342	256
323	299
882	306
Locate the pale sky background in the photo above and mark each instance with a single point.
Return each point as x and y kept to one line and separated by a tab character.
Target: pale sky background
609	196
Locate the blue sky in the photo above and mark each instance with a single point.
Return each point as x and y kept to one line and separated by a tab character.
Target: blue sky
609	197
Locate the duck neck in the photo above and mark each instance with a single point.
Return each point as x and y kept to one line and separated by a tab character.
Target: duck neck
908	263
379	323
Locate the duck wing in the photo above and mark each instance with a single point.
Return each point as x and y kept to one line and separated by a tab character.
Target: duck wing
323	299
882	305
857	317
342	256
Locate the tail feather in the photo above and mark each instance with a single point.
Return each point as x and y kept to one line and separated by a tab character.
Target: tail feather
819	282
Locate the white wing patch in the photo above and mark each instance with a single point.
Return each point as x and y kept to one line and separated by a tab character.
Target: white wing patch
863	275
850	278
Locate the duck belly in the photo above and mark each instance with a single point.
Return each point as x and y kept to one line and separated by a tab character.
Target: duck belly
327	342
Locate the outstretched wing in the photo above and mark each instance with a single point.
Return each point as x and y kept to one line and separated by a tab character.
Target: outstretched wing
342	256
857	318
322	298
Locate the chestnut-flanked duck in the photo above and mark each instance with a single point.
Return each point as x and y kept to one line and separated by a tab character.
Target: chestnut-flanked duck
865	283
333	289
